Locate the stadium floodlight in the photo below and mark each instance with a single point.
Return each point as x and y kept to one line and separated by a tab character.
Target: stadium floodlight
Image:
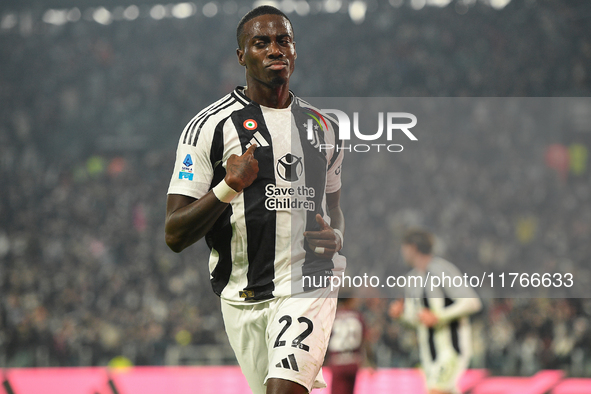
183	10
102	15
332	6
357	11
131	13
288	6
55	17
499	4
158	12
418	4
438	3
302	8
210	9
74	15
8	21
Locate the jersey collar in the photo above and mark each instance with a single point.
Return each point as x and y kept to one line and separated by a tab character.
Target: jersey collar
239	91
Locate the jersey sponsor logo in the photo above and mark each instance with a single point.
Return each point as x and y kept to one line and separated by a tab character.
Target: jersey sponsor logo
258	139
185	175
250	124
285	198
290	167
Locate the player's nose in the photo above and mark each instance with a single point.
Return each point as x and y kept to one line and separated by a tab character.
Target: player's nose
275	50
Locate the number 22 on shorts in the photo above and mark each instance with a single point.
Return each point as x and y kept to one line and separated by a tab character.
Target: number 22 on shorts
297	341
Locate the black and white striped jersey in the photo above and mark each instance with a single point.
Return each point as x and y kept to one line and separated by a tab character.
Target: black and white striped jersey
257	245
453	304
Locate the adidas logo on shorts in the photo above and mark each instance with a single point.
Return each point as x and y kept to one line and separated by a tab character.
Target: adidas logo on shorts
289	362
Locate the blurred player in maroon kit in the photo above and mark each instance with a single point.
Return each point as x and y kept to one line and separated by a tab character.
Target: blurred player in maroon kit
348	347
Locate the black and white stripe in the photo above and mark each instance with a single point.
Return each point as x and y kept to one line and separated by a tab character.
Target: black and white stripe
314	266
191	133
260	222
453	335
250	257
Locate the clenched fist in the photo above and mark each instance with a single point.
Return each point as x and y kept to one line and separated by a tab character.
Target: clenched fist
324	242
241	171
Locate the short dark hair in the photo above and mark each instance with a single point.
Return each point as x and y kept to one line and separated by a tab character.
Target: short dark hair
261	10
422	239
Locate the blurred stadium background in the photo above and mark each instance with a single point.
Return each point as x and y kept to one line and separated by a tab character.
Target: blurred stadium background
93	96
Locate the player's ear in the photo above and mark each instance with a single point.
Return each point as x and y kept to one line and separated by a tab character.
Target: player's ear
240	54
295	53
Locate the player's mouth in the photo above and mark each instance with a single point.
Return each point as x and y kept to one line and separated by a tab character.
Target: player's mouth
277	65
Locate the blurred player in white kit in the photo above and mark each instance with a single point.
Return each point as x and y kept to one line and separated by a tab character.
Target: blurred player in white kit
440	314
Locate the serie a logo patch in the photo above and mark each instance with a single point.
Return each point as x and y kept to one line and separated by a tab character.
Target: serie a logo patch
186	170
188	162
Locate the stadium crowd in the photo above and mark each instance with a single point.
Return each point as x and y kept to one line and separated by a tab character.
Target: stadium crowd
89	120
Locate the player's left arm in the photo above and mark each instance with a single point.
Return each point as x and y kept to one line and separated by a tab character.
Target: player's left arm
327	238
337	219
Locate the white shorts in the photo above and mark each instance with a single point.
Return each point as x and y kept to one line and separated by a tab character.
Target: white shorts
283	338
443	373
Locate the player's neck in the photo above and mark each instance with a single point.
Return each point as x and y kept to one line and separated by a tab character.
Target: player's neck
269	96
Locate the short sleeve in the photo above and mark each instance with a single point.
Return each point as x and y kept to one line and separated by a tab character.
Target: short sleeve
193	170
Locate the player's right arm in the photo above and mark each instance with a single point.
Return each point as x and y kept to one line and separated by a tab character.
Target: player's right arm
188	219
